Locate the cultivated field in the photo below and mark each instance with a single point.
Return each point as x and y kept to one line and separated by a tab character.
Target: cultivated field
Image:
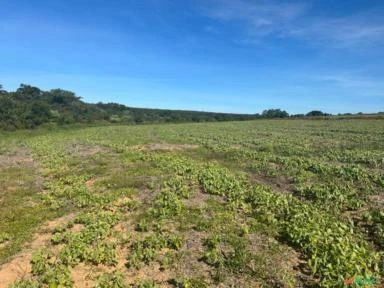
290	203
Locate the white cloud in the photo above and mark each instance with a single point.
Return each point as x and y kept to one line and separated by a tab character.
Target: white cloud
363	85
346	81
362	30
293	20
260	18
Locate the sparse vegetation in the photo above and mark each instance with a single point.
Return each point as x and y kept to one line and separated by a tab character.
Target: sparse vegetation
242	204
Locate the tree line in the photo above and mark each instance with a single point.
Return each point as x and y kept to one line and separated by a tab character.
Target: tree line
30	107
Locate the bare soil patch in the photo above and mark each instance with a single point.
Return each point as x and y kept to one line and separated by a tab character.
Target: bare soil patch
90	183
189	264
83	276
166	147
197	199
59	221
149	272
19	266
3	244
83	150
16	158
278	183
377	201
280	262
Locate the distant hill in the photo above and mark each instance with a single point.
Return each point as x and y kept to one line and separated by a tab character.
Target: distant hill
29	107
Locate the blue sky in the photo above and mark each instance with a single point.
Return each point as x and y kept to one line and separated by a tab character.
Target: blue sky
214	55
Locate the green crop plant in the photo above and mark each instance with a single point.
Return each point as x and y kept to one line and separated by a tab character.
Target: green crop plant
146	250
129	205
142	225
167	204
213	254
50	271
332	197
178	186
4	237
25	284
373	221
311	231
111	280
189	283
220	182
145	284
237	195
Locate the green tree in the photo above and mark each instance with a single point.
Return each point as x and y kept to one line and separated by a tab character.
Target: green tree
27	93
2	91
315	113
274	113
